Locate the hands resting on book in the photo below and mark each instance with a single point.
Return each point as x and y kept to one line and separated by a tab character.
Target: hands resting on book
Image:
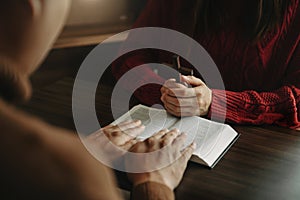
180	100
172	174
123	135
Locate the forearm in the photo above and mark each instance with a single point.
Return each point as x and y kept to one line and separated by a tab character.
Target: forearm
152	191
249	107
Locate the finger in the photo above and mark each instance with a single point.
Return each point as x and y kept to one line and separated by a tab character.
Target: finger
122	133
167	99
127	122
180	101
187	153
171	100
154	140
182	92
160	134
185	157
192	80
163	90
127	125
135	131
171	80
181	109
107	127
130	123
162	98
171	111
177	114
171	83
122	137
169	137
129	144
179	142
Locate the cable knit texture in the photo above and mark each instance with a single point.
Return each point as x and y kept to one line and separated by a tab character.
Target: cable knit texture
152	191
261	80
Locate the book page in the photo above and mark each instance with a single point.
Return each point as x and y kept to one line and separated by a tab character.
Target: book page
212	138
153	119
219	144
194	129
197	129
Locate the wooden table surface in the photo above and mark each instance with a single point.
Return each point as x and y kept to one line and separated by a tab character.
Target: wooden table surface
263	164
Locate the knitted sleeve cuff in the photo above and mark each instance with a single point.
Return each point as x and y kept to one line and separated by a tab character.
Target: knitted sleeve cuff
224	105
152	191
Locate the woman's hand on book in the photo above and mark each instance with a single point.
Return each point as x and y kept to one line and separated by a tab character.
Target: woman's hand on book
180	100
173	173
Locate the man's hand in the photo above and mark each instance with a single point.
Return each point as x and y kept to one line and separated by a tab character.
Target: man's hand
107	140
173	173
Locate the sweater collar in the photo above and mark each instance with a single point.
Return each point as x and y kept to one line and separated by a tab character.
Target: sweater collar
14	86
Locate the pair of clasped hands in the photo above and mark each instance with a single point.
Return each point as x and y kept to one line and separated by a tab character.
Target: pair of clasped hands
190	97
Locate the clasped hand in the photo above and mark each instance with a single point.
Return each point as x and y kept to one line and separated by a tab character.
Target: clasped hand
182	101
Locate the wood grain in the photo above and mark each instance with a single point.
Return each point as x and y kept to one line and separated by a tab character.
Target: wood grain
80	36
263	164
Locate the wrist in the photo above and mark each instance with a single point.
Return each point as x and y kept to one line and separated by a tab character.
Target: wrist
147	178
208	104
151	191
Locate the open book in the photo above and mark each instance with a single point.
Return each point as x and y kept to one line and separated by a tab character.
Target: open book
213	139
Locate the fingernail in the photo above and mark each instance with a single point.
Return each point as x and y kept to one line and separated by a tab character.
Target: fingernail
194	145
184	134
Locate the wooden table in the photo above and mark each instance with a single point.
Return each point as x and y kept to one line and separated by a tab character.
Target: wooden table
263	164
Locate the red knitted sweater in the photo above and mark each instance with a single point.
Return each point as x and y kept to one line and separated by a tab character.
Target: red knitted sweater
262	80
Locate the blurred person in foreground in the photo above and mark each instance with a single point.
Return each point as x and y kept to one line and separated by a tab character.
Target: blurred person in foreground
40	161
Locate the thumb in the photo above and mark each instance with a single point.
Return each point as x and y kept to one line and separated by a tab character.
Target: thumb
187	153
192	80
